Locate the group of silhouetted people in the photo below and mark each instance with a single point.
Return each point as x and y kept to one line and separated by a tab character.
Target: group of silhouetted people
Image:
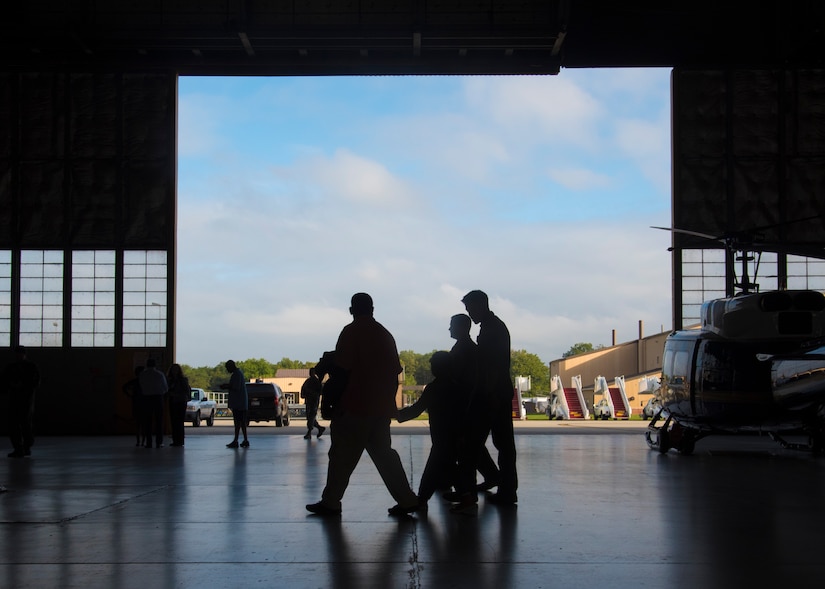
469	400
151	391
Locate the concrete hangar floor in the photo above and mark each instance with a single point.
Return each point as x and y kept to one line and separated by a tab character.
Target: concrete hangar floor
596	508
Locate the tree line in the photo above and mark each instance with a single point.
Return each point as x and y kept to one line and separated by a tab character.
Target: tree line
416	370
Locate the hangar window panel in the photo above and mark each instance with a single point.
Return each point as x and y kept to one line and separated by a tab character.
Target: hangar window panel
703	278
93	298
144	298
41	298
806	273
5	298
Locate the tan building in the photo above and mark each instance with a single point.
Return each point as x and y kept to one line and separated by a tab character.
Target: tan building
291	379
634	360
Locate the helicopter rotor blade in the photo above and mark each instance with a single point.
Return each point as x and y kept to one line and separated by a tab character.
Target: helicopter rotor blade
688	232
743	241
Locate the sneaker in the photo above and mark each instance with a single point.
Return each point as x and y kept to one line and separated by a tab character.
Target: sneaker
321	509
308	436
245	444
232	445
401	510
502	499
321	430
16	454
452	496
466	507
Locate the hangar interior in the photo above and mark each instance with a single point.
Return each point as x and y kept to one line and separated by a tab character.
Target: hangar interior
88	112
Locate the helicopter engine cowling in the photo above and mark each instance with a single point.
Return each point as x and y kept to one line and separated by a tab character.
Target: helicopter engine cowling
787	314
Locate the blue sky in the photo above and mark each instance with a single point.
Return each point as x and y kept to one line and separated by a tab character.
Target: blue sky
294	193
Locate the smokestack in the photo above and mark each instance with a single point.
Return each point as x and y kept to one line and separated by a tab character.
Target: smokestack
614	337
641	329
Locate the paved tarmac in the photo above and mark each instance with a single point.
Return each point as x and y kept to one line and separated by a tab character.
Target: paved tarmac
596	508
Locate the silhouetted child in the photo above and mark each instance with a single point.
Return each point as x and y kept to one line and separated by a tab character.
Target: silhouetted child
439	399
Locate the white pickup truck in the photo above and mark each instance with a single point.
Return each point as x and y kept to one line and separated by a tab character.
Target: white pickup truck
199	407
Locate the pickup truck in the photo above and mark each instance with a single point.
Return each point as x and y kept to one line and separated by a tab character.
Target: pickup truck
199	407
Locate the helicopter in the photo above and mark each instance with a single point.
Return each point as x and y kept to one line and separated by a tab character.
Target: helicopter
755	364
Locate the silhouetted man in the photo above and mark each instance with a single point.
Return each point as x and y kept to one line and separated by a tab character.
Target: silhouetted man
153	385
464	365
238	403
491	408
311	394
361	421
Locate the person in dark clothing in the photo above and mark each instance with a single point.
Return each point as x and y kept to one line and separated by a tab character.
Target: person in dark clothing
20	380
153	386
366	350
132	390
238	403
490	409
179	394
311	394
465	367
442	400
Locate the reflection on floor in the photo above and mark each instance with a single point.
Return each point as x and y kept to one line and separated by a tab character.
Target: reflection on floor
594	511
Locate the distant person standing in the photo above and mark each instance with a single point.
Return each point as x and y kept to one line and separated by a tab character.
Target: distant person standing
179	394
238	403
153	385
361	421
311	394
20	380
491	408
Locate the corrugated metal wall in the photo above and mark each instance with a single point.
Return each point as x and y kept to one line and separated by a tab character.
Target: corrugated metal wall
748	153
87	161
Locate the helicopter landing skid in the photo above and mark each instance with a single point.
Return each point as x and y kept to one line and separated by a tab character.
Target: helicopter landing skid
671	434
789	445
815	445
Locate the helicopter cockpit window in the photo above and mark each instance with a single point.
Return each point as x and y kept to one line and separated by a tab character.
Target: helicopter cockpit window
676	366
681	366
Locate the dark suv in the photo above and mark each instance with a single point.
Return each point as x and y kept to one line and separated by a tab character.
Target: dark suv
267	403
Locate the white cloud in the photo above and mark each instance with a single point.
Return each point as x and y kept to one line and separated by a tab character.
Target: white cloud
537	108
358	179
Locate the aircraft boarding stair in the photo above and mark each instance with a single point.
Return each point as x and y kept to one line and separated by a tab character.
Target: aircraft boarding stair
616	396
570	399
